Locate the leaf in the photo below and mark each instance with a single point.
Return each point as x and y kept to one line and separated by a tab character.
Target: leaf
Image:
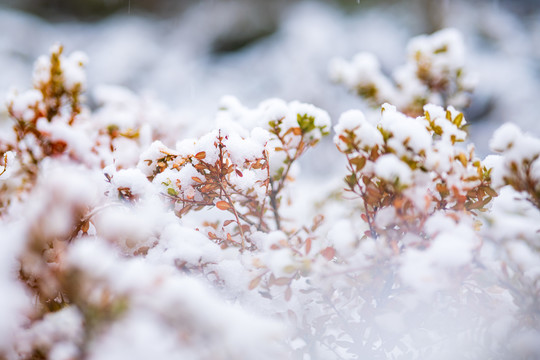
223	205
253	283
196	179
297	131
463	159
359	162
200	155
184	210
458	120
280	281
490	191
239	173
328	253
308	245
85	226
288	294
227	222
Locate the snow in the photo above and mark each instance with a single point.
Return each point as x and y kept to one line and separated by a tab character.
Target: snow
365	133
160	286
391	169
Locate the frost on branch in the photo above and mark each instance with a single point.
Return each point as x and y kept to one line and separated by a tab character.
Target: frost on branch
433	74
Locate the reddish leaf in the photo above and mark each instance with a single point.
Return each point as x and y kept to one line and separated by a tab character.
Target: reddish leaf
227	222
308	245
239	173
196	179
328	253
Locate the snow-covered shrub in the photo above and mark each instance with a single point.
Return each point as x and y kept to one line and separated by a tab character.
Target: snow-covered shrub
406	169
126	237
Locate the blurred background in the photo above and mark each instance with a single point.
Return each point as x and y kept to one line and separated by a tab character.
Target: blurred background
188	53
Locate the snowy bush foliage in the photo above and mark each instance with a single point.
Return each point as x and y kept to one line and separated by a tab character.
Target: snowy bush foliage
124	239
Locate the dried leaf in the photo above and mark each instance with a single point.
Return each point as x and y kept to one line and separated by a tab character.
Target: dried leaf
196	179
239	173
228	222
223	205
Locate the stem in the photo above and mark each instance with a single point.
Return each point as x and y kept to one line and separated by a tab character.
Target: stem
5	165
362	194
273	203
236	216
221	179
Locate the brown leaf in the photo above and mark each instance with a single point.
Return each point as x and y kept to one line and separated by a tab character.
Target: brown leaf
200	155
223	205
227	222
196	179
239	173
